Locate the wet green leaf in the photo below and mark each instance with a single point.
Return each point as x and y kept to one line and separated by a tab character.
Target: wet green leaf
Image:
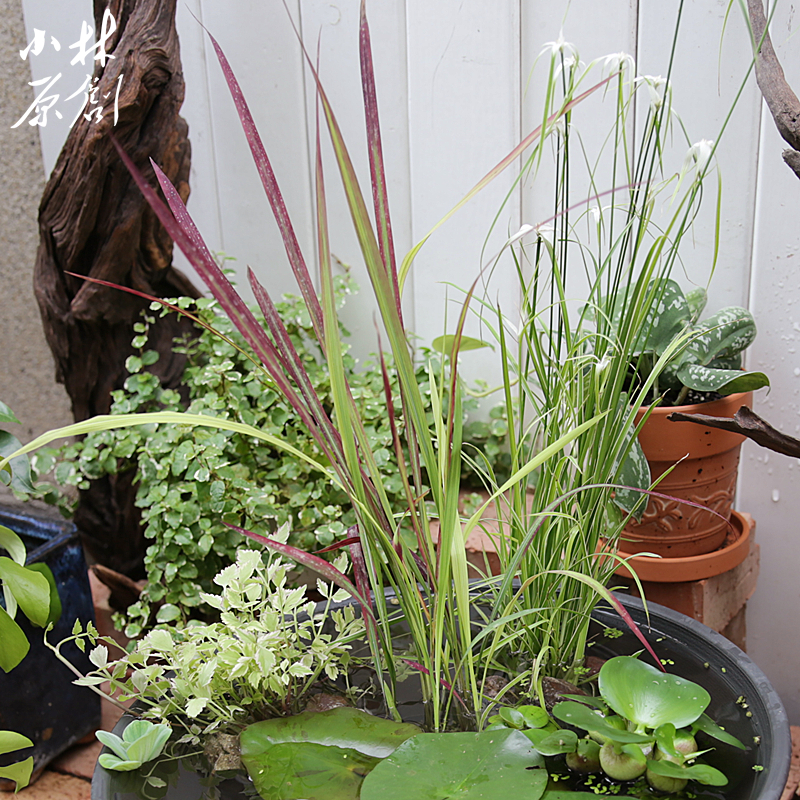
583	717
646	696
702	773
308	771
343	727
468	766
707	725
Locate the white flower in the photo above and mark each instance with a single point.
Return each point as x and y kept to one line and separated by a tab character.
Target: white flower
654	83
523	231
560	47
557	128
699	154
616	62
697	157
545	229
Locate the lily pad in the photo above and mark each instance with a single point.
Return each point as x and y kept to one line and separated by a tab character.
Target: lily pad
646	696
308	771
318	754
492	765
343	727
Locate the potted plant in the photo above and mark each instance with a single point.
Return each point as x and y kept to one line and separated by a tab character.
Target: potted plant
696	470
471	649
45	585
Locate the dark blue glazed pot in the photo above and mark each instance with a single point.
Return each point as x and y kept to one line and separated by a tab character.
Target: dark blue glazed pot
38	698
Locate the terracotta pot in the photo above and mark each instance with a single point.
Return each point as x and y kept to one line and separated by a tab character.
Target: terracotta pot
707	462
695	568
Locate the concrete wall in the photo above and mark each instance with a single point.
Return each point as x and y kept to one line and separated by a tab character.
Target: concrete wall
27	381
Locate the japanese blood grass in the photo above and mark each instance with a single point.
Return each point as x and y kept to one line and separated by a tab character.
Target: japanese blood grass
430	579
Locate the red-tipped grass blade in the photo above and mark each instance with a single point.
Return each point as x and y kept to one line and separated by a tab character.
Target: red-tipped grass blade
420	668
380	196
314	563
273	193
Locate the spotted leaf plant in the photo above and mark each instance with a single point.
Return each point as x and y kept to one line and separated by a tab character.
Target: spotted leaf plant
708	355
643	723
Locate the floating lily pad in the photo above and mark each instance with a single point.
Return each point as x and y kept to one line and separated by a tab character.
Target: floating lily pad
308	771
316	756
341	727
492	765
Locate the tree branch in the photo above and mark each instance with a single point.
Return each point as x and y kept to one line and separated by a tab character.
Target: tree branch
749	424
781	100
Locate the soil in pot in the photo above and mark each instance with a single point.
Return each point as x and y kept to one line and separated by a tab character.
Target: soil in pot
742	701
705	462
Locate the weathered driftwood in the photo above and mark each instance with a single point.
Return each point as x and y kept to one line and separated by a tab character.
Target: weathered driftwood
749	424
94	221
781	100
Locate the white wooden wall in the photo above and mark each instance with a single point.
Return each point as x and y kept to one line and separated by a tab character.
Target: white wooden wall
454	97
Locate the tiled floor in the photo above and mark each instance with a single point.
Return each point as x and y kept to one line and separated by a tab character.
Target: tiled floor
69	777
793	784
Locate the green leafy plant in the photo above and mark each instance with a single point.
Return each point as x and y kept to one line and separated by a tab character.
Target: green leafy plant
192	481
569	417
141	741
28	588
20	771
710	356
645	722
267	649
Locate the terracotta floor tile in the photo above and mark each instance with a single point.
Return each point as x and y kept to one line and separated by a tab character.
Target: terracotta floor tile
54	786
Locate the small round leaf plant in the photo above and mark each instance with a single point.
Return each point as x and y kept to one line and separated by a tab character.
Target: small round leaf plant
643	723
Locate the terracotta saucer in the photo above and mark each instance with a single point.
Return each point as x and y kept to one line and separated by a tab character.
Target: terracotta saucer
695	568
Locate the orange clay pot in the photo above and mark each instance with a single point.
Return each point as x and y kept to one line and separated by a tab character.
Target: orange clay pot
706	475
695	568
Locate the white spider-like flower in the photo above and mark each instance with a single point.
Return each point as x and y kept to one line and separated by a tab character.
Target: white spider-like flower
617	62
698	155
557	128
544	230
523	231
654	83
696	160
560	47
597	212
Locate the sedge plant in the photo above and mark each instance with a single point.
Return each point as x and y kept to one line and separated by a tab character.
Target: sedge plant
594	282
